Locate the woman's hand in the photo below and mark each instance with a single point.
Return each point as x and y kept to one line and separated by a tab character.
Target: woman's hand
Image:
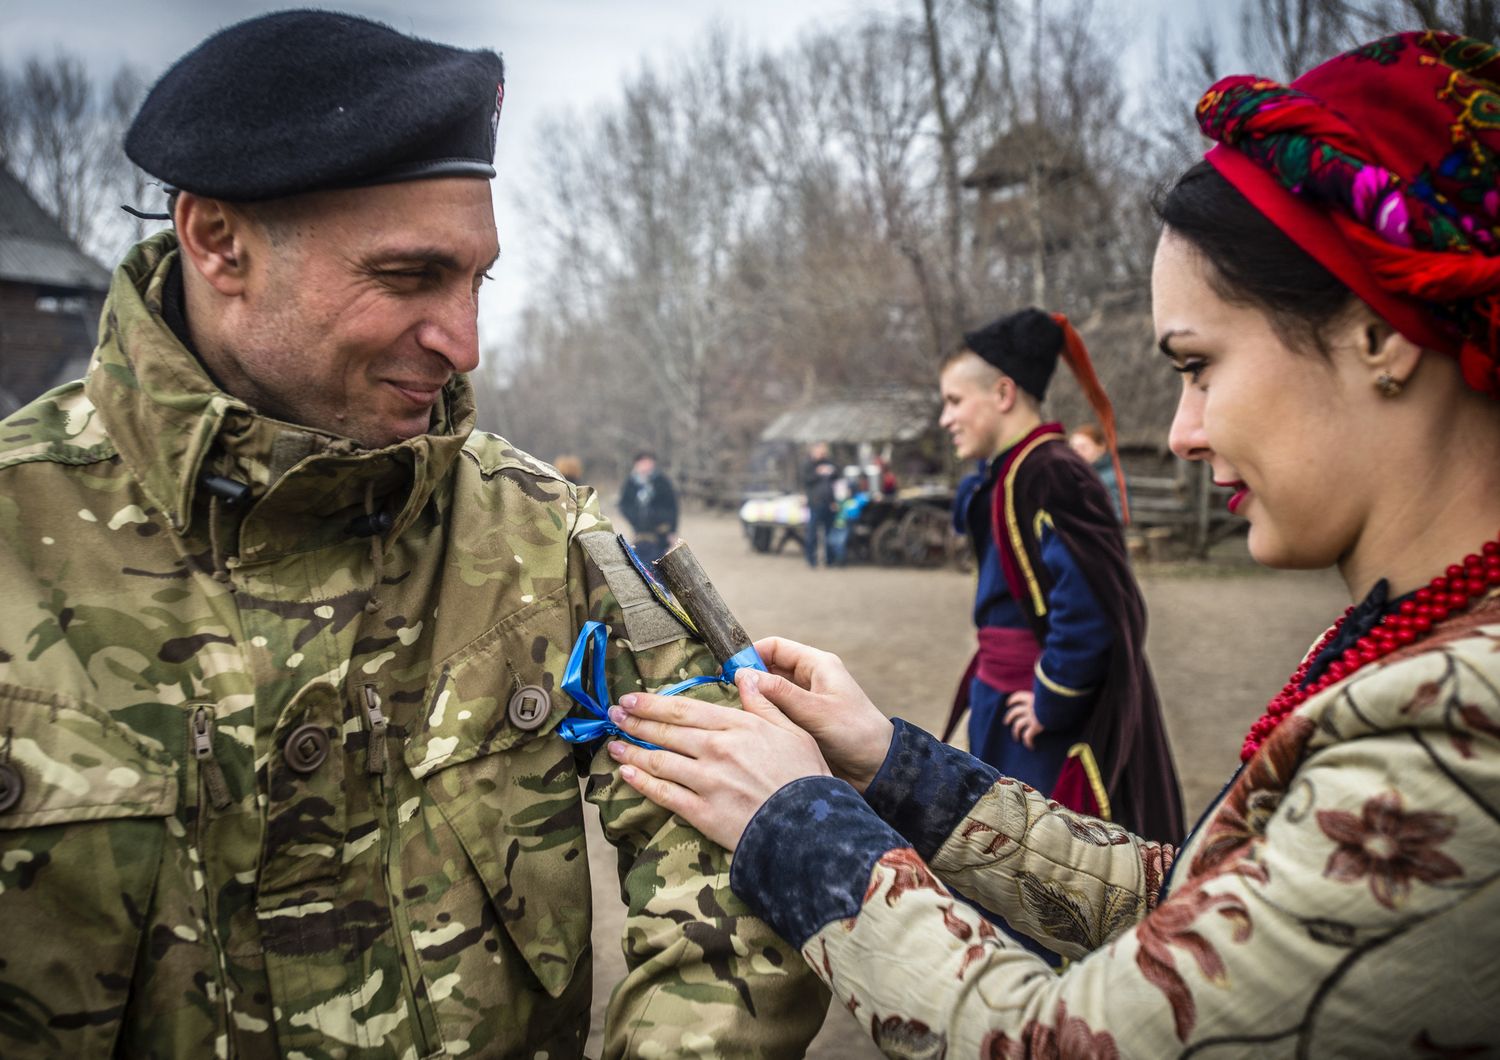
716	766
813	689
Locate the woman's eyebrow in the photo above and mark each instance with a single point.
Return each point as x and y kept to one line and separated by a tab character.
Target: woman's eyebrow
1165	342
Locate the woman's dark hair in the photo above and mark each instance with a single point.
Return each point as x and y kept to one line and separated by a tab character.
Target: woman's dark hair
1254	262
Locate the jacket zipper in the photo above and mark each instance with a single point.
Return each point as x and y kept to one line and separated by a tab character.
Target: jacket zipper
376	760
424	1030
211	783
208	766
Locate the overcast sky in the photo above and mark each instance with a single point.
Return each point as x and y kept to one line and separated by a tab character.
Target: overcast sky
559	54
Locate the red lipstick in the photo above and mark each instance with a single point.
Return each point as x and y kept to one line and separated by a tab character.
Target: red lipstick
1241	491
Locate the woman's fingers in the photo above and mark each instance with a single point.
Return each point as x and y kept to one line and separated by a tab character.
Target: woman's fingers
667	794
790	659
660	763
674	722
675	710
748	683
775	698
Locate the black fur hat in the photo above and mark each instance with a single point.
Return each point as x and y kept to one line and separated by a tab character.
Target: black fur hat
1024	345
305	100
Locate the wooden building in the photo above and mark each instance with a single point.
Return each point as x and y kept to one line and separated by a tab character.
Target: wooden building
1023	165
51	294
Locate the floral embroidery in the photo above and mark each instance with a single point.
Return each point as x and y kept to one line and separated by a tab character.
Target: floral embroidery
1156	862
1426	695
1066	1038
903	1037
1477	720
910	873
1172	924
978	828
1390	846
1095	832
962	930
1067	916
1383	51
1255	797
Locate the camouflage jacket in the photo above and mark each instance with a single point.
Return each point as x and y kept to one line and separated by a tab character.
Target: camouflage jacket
275	785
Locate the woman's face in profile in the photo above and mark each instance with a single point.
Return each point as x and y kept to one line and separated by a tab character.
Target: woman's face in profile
1293	432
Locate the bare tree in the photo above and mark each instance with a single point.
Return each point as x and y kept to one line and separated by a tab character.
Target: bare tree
62	132
1472	18
748	230
1289	37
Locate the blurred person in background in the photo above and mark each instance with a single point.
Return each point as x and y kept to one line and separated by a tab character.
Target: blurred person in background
1087	441
649	504
569	467
819	481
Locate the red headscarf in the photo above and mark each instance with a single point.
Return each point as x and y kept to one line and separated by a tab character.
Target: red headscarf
1383	164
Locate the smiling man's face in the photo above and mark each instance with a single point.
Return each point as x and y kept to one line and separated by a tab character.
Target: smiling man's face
363	307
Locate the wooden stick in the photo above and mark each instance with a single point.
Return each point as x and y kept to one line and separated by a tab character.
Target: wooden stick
681	572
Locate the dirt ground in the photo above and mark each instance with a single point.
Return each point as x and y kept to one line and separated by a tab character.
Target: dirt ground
1222	640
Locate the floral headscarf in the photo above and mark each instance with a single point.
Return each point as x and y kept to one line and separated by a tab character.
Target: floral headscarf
1381	164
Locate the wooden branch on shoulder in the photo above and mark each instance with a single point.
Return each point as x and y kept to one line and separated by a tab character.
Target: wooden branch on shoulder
681	572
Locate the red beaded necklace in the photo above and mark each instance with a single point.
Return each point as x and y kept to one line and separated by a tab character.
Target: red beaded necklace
1453	591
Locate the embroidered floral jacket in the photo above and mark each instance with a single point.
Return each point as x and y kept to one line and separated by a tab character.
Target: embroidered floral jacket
1341	899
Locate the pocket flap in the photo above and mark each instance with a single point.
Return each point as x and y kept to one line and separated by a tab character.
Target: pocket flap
73	762
468	711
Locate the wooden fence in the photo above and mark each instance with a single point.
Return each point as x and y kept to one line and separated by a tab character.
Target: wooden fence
1187	505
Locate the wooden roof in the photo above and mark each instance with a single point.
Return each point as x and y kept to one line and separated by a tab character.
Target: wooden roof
35	249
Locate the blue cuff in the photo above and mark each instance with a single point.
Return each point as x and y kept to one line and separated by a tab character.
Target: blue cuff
925	787
806	857
1059	713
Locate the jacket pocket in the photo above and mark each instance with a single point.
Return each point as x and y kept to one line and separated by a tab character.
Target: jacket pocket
81	843
468	703
509	789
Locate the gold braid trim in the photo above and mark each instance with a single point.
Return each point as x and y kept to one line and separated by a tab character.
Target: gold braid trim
1017	545
1085	754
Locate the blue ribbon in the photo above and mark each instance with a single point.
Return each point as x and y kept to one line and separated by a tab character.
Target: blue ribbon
593	696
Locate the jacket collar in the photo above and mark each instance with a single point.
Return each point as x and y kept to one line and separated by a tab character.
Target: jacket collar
172	425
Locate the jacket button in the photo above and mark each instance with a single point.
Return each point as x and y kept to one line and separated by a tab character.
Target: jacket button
529	708
11	786
305	749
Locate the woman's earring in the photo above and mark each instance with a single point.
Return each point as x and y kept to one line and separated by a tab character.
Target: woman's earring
1388	385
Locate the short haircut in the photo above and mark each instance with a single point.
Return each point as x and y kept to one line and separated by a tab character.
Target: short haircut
984	373
280	219
975	365
643	454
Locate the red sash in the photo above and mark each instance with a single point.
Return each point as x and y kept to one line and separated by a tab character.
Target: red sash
1007	658
1005	661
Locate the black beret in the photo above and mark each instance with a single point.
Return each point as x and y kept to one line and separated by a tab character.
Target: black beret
304	100
1024	345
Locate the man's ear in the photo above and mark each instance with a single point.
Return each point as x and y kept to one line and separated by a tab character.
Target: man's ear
1007	392
212	236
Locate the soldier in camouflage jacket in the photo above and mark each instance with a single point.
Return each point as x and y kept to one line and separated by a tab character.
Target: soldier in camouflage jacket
172	883
278	768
